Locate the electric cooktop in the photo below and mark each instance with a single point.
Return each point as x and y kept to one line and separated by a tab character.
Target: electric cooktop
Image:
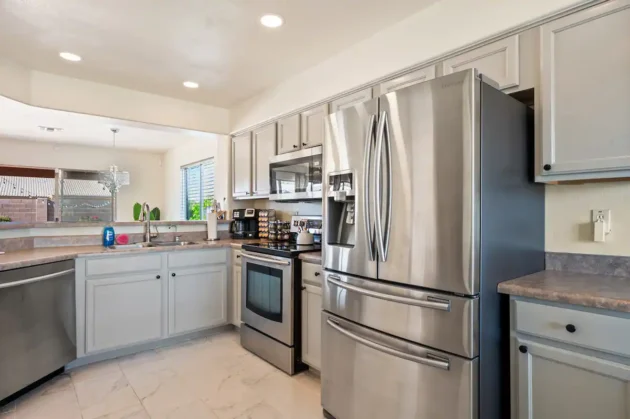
283	249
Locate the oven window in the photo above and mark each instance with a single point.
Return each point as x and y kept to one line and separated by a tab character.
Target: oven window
264	291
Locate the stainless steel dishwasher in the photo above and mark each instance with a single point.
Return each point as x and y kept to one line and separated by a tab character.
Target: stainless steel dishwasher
37	323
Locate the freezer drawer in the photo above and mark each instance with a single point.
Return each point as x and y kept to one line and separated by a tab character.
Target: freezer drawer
367	374
439	320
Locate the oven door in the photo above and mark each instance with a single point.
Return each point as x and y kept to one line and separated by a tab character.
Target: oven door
267	285
296	176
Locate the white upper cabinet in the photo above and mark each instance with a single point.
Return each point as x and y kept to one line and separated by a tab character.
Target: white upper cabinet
585	95
312	124
264	148
242	165
289	134
499	61
351	100
417	76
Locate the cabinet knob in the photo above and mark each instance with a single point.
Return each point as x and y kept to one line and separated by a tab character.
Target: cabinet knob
238	256
571	328
173	274
522	349
317	274
547	167
295	146
157	276
304	144
303	288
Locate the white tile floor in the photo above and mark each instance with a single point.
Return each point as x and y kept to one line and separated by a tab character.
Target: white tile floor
211	378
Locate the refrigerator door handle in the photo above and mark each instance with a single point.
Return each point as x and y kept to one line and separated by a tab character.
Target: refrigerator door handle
388	153
430	360
367	213
431	302
380	242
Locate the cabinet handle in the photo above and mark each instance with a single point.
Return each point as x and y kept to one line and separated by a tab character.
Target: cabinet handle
303	288
317	274
571	328
547	167
304	144
157	276
173	274
522	349
238	256
295	146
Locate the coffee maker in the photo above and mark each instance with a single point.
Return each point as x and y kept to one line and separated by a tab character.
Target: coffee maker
245	224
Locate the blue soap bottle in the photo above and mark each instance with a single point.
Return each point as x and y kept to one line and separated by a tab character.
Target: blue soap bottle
108	236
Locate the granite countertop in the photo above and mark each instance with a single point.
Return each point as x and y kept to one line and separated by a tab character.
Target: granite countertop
597	291
312	257
55	224
30	257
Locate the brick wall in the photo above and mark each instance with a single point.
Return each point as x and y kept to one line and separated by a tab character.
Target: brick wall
28	210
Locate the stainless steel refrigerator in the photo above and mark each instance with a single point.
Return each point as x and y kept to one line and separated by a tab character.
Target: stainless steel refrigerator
429	203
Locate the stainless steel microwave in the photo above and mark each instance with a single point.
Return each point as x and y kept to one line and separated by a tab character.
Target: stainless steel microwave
296	176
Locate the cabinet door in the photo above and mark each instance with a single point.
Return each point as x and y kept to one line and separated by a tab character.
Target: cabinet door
264	141
312	326
556	383
289	134
312	123
197	299
418	76
122	311
586	93
499	61
242	165
351	100
236	296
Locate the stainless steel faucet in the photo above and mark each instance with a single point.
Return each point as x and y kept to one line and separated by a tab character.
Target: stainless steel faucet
146	213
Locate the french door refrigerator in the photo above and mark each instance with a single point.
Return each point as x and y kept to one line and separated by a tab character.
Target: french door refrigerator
429	203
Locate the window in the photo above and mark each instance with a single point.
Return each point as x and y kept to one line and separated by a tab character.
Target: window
197	189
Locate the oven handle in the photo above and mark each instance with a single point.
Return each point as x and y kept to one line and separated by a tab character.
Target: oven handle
436	363
266	260
438	304
36	279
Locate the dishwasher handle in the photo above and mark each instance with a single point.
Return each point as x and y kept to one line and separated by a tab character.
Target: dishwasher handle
36	279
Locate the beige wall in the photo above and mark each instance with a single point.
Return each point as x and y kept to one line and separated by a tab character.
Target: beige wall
145	168
568	218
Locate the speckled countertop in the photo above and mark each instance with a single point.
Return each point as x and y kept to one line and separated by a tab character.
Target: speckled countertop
23	258
312	257
597	291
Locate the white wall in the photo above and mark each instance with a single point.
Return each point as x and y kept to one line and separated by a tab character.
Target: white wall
442	27
192	152
145	168
69	94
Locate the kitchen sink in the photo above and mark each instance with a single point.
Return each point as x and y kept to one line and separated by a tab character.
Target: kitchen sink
130	246
165	244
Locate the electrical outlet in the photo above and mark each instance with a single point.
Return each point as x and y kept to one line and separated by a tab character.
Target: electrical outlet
601	225
604	214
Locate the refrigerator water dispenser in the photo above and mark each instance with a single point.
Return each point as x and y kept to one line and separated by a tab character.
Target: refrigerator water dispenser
341	209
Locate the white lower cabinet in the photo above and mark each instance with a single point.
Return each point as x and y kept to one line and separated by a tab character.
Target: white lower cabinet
236	301
122	311
197	299
556	383
312	326
561	368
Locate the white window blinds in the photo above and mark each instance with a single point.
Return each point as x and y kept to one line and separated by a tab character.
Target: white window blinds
197	189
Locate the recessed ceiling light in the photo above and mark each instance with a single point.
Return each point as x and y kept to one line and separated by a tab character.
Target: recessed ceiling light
69	56
191	84
272	21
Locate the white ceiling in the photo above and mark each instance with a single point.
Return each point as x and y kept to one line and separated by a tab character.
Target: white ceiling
21	122
155	45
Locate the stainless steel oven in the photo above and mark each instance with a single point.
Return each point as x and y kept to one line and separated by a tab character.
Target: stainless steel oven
268	295
296	176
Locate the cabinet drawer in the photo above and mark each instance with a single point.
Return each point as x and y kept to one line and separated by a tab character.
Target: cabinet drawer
113	265
196	258
236	257
312	274
590	330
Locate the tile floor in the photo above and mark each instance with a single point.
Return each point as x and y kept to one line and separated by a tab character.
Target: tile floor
210	378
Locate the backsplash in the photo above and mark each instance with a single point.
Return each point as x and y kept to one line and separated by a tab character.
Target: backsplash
285	210
588	264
